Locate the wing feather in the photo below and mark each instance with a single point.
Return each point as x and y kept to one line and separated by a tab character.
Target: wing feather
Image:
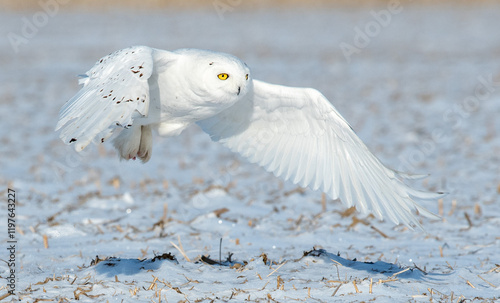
115	92
297	134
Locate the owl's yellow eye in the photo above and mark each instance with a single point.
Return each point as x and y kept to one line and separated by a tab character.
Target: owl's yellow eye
223	76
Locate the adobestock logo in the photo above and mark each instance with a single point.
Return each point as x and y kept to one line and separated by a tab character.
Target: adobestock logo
224	6
31	26
363	36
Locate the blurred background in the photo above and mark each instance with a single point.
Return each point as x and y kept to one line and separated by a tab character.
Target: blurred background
397	70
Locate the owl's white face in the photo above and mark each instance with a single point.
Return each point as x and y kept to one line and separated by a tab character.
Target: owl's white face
217	79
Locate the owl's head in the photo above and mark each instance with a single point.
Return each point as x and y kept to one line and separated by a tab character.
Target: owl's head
216	78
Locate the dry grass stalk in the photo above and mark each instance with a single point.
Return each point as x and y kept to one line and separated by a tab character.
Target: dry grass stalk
336	289
45	241
441	251
280	283
115	182
299	220
468	282
453	207
336	262
356	220
87	277
422	270
495	269
440	207
159	295
380	281
189	280
165	212
119	228
433	291
337	266
153	284
468	219
418	296
477	209
19	231
99	230
180	249
277	269
348	212
144	252
48	300
134	291
176	289
323	202
84	291
298	190
355	286
491	284
400	272
220	211
380	232
371	286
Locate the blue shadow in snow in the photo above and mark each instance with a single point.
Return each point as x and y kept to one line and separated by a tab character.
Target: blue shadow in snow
117	266
379	267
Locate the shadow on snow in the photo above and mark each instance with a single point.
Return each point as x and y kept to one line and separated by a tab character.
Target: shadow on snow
379	267
112	266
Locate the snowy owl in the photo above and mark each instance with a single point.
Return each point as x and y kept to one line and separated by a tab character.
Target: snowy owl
295	133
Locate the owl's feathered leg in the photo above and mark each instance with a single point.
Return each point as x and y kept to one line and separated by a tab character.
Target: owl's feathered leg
136	141
146	146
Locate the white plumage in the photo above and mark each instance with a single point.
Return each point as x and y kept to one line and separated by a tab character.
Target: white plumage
295	133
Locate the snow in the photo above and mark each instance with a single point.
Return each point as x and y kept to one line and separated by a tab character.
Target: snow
424	95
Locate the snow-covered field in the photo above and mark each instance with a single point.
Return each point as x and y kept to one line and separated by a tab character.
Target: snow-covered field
421	87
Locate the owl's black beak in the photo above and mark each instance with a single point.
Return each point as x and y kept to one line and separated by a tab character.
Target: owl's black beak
239	90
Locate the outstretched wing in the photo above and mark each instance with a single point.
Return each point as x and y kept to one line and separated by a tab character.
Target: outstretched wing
114	92
297	134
